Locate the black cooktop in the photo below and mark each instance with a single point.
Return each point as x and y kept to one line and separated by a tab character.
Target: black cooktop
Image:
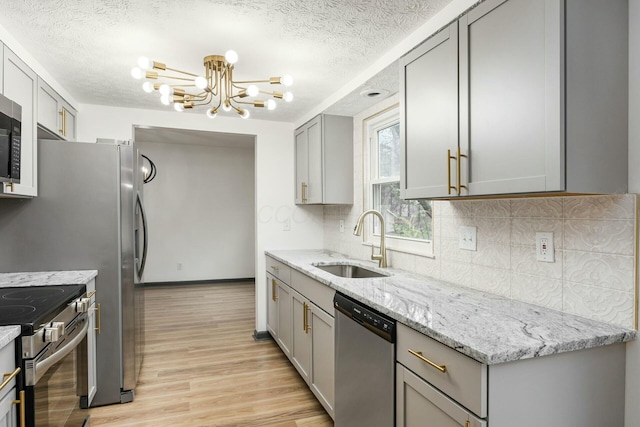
32	306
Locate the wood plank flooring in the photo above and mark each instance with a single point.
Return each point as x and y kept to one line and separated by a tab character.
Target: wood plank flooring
201	367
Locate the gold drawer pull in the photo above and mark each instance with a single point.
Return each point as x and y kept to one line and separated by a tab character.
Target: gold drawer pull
418	354
99	313
273	290
449	186
22	404
8	377
275	268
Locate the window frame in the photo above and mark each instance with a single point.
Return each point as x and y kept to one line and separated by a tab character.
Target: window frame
371	125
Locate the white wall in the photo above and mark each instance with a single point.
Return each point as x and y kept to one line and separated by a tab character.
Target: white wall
200	211
632	404
274	177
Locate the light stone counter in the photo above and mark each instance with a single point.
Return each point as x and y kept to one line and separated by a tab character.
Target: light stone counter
47	278
489	328
44	278
8	334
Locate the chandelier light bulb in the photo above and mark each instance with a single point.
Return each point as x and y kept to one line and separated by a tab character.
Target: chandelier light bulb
145	63
286	80
165	90
231	56
226	107
179	107
245	114
165	99
212	113
253	90
288	96
137	73
201	82
147	87
271	104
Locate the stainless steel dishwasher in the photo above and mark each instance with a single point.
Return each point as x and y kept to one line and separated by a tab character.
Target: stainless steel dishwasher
364	365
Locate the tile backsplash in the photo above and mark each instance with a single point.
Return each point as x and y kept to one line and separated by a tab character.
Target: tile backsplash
594	236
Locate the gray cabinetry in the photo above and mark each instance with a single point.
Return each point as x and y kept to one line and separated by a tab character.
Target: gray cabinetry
20	85
542	99
284	337
301	346
55	114
324	161
322	379
272	306
8	395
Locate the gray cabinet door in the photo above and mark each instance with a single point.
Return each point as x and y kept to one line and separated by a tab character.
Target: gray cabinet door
302	165
322	357
301	339
511	97
429	114
418	404
316	161
272	306
284	318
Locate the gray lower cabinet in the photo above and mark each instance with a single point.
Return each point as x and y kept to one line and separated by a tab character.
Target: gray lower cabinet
438	387
8	395
301	346
285	307
272	306
518	96
420	404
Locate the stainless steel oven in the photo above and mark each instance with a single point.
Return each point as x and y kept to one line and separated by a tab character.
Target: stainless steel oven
53	350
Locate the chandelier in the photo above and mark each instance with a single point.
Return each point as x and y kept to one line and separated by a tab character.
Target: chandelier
216	89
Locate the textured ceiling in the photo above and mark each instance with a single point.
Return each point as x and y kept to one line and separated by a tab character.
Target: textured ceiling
90	46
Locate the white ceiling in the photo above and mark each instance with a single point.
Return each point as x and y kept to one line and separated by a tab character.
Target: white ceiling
90	46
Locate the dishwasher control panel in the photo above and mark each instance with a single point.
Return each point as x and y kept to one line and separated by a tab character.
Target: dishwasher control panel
375	321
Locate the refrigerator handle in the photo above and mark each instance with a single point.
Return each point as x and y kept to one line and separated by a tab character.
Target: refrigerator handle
140	268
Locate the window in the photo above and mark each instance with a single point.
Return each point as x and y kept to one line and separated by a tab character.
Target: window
408	223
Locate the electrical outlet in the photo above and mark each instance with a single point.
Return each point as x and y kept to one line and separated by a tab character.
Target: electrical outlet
286	224
342	225
467	238
545	251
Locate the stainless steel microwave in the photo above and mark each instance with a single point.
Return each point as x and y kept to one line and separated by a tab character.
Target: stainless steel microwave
10	140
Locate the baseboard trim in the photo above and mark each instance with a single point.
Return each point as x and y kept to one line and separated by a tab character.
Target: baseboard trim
261	335
201	282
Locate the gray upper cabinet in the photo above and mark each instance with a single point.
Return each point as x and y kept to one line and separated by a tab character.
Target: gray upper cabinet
55	114
540	104
324	161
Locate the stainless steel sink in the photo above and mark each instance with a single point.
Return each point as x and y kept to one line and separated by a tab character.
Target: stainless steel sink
350	271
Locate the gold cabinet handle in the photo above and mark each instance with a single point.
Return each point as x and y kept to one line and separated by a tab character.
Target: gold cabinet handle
304	192
63	122
8	377
98	312
21	402
418	354
273	289
275	268
9	186
460	156
467	424
308	309
449	186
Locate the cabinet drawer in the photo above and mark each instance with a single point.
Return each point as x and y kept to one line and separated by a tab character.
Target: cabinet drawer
316	292
7	365
278	269
464	379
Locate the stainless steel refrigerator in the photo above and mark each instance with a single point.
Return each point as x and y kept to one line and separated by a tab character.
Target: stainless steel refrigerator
89	215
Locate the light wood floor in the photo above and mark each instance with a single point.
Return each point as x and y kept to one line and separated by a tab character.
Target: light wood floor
202	367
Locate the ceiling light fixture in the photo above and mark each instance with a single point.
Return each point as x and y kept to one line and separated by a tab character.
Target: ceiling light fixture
216	88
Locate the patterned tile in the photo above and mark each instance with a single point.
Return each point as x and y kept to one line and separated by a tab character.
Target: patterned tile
537	290
602	270
620	206
550	207
429	267
600	304
492	280
614	237
523	261
493	209
523	231
495	230
457	273
450	226
451	252
495	255
463	208
401	260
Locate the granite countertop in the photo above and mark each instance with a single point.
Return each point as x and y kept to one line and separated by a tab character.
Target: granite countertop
8	334
47	278
489	328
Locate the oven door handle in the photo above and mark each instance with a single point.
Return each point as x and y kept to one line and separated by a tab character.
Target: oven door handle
42	367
